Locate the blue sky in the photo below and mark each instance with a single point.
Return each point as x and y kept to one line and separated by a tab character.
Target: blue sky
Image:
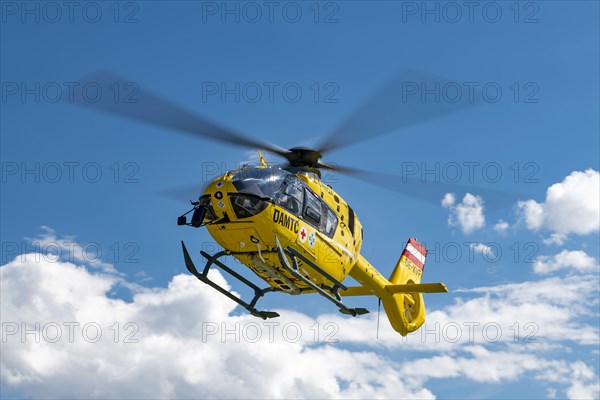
96	181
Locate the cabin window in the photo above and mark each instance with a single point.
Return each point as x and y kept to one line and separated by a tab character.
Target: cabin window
291	196
331	221
312	209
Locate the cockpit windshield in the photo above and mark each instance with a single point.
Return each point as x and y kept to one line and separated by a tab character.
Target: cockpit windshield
282	188
261	182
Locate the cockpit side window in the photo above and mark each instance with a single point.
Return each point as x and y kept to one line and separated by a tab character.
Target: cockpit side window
312	208
291	196
331	221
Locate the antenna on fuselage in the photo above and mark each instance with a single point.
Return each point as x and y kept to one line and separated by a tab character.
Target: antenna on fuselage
378	312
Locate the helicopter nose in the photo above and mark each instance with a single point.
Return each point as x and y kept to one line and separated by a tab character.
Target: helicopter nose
219	200
216	198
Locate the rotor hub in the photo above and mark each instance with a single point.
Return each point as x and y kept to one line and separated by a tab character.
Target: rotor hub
303	157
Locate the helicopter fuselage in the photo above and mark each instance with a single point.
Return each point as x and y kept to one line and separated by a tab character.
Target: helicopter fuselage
249	209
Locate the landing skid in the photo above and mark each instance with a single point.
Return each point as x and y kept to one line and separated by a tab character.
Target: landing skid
332	294
258	292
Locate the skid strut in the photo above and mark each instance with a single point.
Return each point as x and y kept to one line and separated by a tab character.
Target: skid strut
258	292
333	295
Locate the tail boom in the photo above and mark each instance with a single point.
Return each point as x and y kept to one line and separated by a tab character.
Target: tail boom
402	294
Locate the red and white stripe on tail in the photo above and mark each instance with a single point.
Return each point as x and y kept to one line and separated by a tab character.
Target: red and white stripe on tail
410	265
416	253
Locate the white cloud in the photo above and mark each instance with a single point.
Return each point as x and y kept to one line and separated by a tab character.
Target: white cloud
532	213
52	247
172	355
177	353
482	365
587	390
448	200
556	238
571	206
574	261
481	248
501	226
585	383
192	343
502	332
468	214
551	310
538	313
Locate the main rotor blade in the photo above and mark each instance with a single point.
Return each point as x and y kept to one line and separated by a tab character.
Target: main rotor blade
141	104
409	98
430	191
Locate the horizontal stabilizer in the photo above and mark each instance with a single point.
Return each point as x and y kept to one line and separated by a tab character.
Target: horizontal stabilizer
393	289
418	288
357	291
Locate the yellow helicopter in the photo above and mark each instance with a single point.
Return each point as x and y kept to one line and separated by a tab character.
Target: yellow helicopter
299	236
285	224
